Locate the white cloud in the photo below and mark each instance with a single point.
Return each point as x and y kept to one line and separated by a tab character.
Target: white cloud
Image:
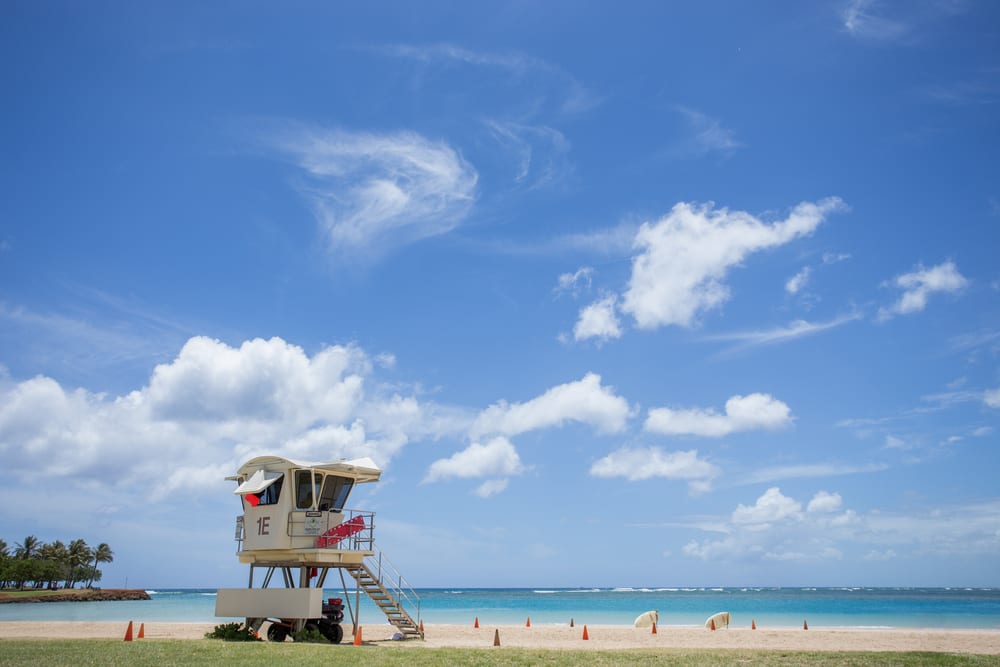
495	458
892	442
214	404
705	135
861	19
650	462
576	282
531	73
585	401
795	330
992	398
743	413
539	150
982	431
374	192
491	487
771	507
825	502
771	529
777	473
684	257
797	282
918	285
598	320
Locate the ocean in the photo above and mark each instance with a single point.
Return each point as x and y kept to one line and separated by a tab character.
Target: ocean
954	608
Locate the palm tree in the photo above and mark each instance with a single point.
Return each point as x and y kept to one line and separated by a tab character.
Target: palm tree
28	547
102	554
4	550
79	555
56	553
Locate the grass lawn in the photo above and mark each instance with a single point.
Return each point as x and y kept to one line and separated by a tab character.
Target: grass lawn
81	652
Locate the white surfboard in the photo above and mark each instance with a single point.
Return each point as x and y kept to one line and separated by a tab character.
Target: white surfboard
646	619
721	620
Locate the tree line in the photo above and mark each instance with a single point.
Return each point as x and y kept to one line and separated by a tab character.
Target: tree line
37	564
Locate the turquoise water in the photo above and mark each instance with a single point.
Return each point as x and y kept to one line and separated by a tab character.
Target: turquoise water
769	607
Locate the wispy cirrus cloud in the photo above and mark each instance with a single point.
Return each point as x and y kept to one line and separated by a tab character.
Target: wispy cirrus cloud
794	330
705	135
865	19
372	192
571	96
807	470
540	152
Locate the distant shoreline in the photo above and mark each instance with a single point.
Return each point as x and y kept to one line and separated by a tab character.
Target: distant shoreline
74	595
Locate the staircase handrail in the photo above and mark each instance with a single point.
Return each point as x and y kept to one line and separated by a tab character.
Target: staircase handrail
399	586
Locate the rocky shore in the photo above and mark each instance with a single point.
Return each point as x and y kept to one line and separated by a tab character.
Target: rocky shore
76	595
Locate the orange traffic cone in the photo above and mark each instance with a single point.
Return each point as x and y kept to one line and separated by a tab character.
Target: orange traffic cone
805	625
357	637
571	622
585	635
142	631
496	637
654	629
712	625
528	624
753	624
476	624
128	632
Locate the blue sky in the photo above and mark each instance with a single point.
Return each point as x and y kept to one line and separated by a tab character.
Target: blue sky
709	290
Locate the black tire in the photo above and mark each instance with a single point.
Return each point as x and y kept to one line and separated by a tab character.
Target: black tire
332	631
277	633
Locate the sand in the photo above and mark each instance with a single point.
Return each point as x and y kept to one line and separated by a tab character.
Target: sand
601	637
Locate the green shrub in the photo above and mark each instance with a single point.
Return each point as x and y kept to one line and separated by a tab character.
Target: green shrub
233	632
311	636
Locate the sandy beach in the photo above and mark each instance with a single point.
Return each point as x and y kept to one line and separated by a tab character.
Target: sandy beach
985	642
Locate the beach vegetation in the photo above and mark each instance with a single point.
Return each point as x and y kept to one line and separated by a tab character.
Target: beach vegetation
233	632
38	565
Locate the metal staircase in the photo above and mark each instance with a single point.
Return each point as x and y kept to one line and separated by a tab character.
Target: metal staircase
389	591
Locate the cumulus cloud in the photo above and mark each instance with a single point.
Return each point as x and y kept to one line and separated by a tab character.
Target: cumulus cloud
215	404
919	284
373	192
585	401
825	502
771	507
598	320
683	259
743	413
635	464
496	458
773	528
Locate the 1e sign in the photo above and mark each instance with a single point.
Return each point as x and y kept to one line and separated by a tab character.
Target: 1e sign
264	525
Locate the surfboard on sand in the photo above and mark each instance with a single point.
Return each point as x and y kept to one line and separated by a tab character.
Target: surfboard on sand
646	619
721	620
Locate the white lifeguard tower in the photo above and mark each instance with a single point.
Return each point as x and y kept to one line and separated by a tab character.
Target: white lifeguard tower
295	522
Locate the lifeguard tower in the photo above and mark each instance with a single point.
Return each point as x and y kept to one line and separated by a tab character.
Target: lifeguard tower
295	523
